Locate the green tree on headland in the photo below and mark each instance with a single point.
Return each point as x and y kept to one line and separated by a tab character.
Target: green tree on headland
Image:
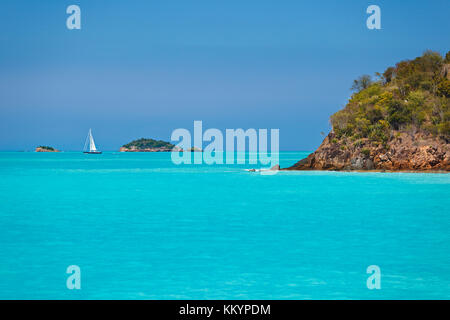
363	82
413	95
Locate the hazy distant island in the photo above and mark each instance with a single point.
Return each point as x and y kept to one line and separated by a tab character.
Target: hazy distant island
398	122
147	145
46	149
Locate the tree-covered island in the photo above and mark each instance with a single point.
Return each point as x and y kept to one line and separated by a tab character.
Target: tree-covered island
147	145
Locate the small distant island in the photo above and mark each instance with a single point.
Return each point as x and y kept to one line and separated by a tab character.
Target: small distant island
147	145
397	122
46	149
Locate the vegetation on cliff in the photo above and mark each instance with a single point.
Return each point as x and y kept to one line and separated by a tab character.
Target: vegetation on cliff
142	144
412	96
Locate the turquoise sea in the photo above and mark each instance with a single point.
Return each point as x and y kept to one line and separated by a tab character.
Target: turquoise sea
140	227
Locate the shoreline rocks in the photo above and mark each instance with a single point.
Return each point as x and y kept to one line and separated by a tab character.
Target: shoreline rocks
415	152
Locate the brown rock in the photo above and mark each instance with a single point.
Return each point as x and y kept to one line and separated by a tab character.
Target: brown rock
405	152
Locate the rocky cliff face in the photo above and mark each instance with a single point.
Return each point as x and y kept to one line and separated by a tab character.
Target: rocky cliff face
417	151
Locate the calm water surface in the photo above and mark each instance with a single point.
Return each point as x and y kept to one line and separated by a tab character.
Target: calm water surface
140	227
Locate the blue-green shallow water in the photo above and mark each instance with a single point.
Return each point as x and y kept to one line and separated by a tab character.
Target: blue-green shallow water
140	227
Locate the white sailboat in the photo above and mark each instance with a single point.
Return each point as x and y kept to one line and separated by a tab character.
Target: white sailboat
92	147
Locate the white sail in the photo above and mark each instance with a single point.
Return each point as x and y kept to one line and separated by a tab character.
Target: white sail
90	141
92	147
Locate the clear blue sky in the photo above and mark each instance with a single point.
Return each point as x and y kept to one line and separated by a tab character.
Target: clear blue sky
144	68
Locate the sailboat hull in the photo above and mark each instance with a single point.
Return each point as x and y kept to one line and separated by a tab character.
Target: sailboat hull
93	152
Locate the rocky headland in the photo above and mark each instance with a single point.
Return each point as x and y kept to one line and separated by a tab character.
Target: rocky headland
400	122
